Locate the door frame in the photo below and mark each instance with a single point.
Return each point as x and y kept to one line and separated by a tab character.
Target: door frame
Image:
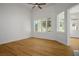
68	23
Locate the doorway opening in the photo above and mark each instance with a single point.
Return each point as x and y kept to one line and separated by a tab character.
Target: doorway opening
73	40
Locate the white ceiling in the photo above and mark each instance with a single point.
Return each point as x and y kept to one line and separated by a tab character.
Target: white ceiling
47	5
30	6
74	12
75	9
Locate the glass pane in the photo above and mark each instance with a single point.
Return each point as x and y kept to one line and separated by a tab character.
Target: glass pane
60	23
49	26
35	26
39	26
73	26
43	26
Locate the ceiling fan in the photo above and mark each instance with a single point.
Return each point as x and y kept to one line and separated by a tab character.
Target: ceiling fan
37	5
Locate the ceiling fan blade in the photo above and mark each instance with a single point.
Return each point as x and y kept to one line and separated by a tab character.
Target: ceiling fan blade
31	3
39	7
33	7
41	3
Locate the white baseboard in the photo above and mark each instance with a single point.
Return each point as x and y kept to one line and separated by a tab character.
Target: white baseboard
5	42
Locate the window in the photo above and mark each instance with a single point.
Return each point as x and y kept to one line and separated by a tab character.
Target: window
75	25
60	22
42	25
49	29
37	25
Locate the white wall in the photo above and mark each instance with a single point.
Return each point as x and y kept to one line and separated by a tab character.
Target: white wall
15	22
52	11
74	14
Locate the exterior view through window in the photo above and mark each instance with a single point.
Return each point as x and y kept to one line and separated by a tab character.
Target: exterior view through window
42	25
60	22
75	24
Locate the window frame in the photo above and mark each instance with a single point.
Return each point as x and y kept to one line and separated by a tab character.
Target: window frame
44	19
59	19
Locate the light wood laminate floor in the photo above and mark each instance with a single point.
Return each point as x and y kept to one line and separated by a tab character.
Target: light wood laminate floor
74	43
35	47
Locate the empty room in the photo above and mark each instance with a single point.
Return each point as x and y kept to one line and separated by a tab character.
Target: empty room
38	29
